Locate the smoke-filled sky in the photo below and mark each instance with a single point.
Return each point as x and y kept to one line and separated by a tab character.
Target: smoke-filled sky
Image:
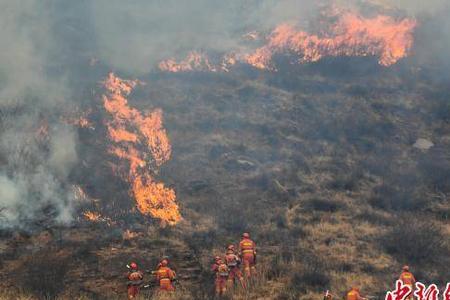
44	41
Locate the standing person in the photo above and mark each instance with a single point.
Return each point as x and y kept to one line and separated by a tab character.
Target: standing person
165	276
247	251
135	278
233	262
222	272
407	278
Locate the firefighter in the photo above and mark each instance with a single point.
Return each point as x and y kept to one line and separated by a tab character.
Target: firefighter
247	252
354	294
407	278
166	258
135	278
165	276
233	262
222	272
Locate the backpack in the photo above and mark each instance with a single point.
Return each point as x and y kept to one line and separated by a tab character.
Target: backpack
232	261
223	271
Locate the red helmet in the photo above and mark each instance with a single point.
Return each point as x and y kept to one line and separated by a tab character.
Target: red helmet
164	263
133	266
246	235
405	268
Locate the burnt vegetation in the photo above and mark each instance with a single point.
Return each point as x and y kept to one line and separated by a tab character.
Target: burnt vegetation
318	175
327	181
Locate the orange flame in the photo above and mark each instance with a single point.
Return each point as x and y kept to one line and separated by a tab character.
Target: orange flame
353	35
129	235
79	119
131	130
92	216
194	61
41	133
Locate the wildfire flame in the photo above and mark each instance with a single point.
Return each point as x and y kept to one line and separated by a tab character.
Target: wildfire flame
194	61
129	235
141	141
41	133
352	35
79	119
93	216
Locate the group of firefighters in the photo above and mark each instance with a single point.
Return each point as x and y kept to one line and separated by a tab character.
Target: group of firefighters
406	277
227	270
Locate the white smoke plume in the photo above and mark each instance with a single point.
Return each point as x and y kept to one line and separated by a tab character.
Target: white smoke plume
37	151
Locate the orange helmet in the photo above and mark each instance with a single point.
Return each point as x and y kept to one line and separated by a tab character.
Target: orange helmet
164	263
246	235
405	268
133	266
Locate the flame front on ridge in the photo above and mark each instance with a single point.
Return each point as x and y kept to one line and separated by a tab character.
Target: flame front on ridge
382	36
353	35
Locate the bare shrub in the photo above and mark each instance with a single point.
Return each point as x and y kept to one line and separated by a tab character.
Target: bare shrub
399	198
44	275
311	276
325	205
414	240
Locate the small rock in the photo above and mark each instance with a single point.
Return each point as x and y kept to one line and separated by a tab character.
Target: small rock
423	144
239	164
246	164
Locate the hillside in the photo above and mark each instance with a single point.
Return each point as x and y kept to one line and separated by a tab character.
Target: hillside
323	173
135	130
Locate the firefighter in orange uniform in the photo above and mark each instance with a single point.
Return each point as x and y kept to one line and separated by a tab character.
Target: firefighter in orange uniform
222	272
135	278
165	276
354	294
233	261
247	251
408	279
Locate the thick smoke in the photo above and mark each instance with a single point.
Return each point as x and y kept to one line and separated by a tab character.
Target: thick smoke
37	151
135	35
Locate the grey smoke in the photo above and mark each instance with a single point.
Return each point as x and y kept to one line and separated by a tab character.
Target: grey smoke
33	172
135	35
